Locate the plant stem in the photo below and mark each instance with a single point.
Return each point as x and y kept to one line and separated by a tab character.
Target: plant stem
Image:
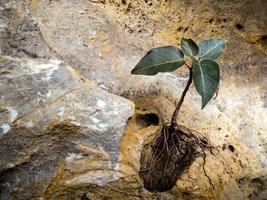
176	111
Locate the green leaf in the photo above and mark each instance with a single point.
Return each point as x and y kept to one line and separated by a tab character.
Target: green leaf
161	59
206	75
211	49
189	47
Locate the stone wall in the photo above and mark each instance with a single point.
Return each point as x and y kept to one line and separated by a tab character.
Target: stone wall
74	121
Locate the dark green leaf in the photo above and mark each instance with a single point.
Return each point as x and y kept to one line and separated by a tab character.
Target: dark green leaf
206	76
189	47
162	59
211	49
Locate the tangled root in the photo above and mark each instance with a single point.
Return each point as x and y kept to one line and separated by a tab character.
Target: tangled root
170	154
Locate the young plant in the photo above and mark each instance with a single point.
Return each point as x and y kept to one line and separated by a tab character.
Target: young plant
174	150
203	69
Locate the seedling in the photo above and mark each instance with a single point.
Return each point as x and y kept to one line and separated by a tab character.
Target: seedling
175	149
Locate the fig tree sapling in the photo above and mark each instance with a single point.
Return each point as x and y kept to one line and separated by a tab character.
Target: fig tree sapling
175	149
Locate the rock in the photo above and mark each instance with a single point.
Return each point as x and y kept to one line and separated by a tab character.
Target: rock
19	32
54	123
257	185
103	40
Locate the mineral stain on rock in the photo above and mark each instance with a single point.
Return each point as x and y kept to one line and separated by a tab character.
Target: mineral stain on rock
4	128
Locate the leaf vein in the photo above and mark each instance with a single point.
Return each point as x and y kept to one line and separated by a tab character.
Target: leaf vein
216	45
164	63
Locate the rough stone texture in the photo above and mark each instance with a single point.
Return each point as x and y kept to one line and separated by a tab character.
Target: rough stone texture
103	40
19	32
54	123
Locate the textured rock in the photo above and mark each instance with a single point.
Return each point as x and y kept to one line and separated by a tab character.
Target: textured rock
19	32
54	123
103	40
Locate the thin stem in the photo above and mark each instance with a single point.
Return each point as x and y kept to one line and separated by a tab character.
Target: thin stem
176	111
187	65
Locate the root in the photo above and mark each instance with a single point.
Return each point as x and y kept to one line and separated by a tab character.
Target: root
203	144
205	173
170	155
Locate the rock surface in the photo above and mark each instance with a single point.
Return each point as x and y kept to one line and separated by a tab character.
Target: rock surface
54	123
62	137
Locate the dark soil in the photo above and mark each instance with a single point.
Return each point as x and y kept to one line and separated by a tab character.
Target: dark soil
167	157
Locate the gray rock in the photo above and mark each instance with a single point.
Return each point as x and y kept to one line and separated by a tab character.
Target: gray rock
19	32
52	120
